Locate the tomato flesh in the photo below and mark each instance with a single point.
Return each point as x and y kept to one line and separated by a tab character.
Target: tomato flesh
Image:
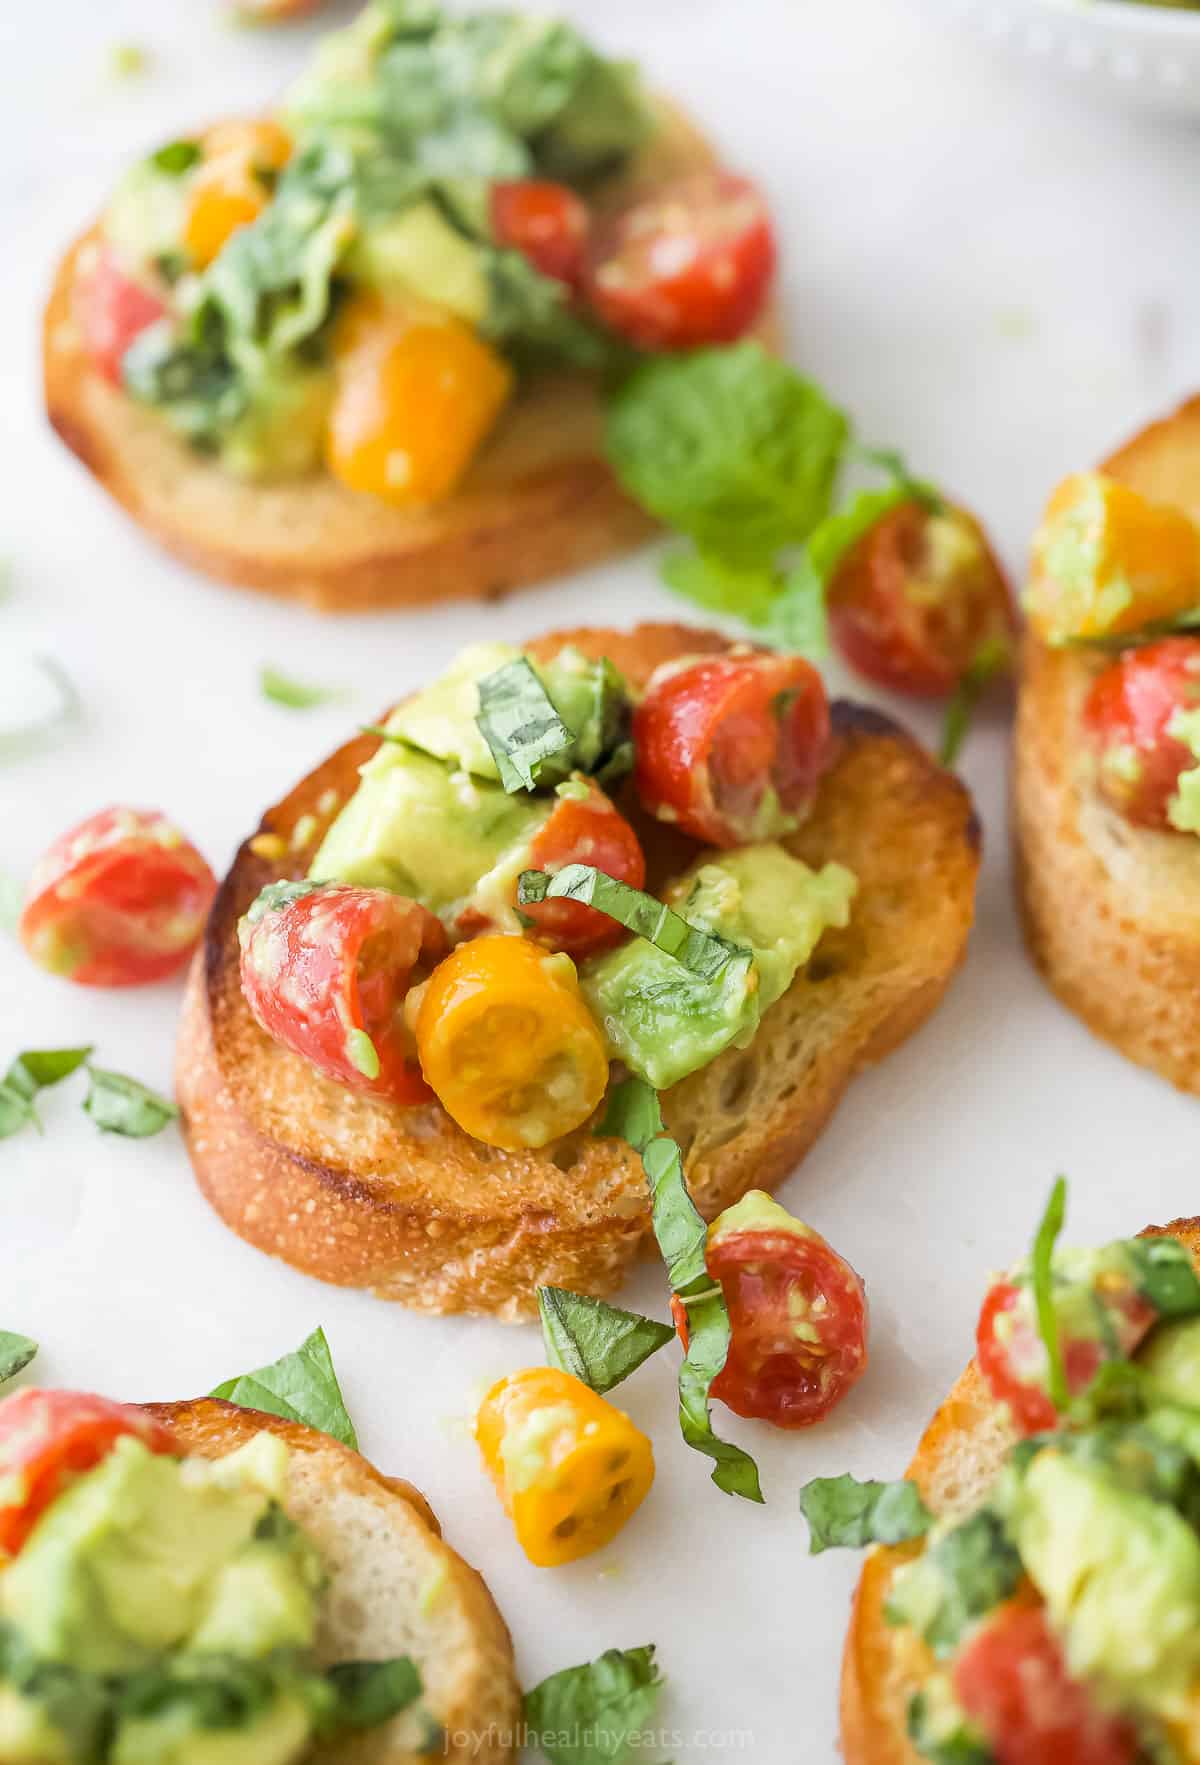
49	1437
326	974
545	222
715	737
917	597
1128	717
1012	1682
118	901
583	830
689	264
1010	1356
114	310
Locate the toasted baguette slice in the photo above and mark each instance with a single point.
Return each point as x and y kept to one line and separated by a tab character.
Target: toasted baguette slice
401	1201
540	501
1111	911
955	1464
395	1589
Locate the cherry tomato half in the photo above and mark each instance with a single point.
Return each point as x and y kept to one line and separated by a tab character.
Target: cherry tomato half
48	1437
730	748
1128	716
1011	1356
916	599
1012	1682
118	901
326	971
688	264
797	1311
583	830
114	309
545	222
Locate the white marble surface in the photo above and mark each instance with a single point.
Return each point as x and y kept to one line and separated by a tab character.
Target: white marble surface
992	276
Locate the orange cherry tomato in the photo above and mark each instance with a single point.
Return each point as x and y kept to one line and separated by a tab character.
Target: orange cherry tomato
415	400
233	184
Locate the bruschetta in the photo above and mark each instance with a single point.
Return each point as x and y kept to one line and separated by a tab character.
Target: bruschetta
386	1087
352	352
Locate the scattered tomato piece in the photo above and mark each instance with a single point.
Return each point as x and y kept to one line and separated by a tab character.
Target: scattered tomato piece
114	309
547	223
1142	716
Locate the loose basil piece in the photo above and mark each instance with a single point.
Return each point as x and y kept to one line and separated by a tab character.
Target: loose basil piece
598	1343
276	896
120	1105
520	725
370	1692
31	1072
176	158
300	1387
16	1112
16	1352
1165	1276
993	657
704	954
1041	1270
909	488
295	695
633	1114
594	1714
842	1512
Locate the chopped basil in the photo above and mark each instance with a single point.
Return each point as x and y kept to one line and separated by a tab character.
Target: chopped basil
1041	1274
633	1114
993	657
176	158
958	1578
940	1743
300	1387
598	1343
276	896
370	1692
520	725
281	689
16	1352
120	1105
701	952
843	1512
909	488
595	1714
30	1073
1165	1276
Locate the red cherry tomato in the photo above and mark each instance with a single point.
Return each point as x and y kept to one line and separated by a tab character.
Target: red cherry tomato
48	1437
114	309
715	736
798	1314
118	901
1128	716
326	973
1012	1682
584	830
688	264
917	597
1011	1356
547	223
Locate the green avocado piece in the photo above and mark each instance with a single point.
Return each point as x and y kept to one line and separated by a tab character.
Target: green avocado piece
418	252
276	1737
1171	1357
281	433
663	1021
27	1736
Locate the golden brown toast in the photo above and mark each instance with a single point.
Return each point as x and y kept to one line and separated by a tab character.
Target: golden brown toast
540	501
395	1589
955	1463
1111	911
356	1191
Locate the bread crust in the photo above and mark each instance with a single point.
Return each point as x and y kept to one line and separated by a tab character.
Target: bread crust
958	1456
358	1192
461	1645
1111	912
539	502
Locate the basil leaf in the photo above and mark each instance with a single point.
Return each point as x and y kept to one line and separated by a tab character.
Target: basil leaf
38	1068
598	1343
519	723
682	1238
1041	1272
370	1692
300	1387
16	1352
120	1105
799	621
595	1713
927	1731
957	1579
910	488
281	689
177	157
12	899
1165	1276
16	1112
845	1513
994	656
748	591
703	953
276	896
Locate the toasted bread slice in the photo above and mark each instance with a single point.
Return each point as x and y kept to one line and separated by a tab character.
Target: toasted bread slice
395	1589
401	1201
1111	911
540	500
958	1457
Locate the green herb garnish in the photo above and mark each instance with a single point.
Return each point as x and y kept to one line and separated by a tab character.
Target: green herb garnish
594	1714
295	695
370	1692
16	1352
520	725
1041	1268
843	1512
177	157
31	1072
300	1387
702	953
966	1572
1165	1276
993	657
121	1105
598	1343
273	897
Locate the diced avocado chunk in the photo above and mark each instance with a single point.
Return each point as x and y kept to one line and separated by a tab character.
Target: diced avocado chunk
418	252
276	1737
663	1021
1171	1358
27	1736
281	433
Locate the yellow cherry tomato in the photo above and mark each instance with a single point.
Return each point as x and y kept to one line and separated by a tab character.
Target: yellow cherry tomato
232	185
569	1467
416	398
1107	561
508	1044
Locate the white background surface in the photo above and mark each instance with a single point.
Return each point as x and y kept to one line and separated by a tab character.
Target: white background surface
992	276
